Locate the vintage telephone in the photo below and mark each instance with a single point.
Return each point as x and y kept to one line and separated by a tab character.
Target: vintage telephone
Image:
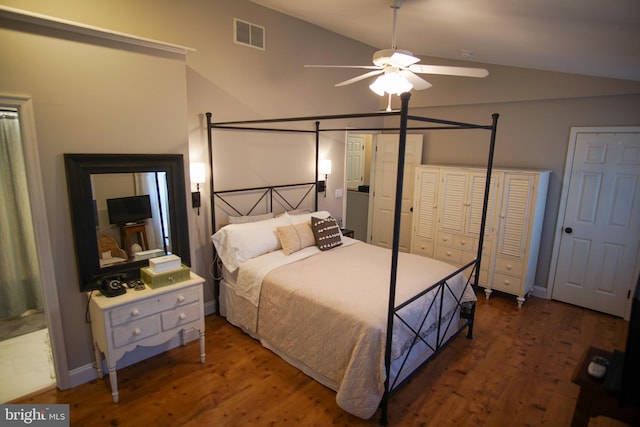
112	286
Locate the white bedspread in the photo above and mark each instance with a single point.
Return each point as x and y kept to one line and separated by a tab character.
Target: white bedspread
328	311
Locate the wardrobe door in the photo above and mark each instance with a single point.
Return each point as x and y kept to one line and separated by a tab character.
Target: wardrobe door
473	220
424	210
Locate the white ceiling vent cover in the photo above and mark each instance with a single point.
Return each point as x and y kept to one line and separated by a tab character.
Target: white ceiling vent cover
248	34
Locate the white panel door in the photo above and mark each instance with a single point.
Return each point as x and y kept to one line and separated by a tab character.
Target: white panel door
598	247
355	160
384	189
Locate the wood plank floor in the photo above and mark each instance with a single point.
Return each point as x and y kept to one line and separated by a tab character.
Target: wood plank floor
515	372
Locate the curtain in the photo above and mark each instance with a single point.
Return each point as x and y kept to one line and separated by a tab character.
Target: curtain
19	272
155	185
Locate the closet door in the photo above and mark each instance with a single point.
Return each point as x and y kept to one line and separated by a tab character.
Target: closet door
383	194
424	210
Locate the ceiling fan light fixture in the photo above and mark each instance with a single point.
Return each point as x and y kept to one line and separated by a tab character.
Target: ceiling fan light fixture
392	83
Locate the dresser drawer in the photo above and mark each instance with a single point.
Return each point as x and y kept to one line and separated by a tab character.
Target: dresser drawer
180	316
509	284
146	307
509	266
450	255
135	331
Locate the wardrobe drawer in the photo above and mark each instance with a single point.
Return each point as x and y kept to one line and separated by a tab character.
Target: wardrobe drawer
135	331
465	243
180	316
509	266
450	255
506	283
422	247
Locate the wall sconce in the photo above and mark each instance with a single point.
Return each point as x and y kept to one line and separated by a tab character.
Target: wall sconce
197	173
324	168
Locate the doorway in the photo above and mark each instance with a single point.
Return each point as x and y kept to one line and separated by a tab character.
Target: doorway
30	334
596	248
358	172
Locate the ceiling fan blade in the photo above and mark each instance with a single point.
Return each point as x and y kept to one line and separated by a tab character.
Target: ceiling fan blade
418	82
401	59
365	67
360	77
449	71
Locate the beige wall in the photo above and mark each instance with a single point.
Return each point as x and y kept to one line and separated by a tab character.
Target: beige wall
94	96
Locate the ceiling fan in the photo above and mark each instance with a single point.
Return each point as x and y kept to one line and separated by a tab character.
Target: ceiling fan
397	69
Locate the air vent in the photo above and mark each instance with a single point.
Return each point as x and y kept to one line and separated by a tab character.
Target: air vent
248	34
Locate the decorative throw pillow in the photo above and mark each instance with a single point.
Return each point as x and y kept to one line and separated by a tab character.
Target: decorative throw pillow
326	232
295	237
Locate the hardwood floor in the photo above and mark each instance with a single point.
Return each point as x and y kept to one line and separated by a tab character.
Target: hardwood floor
515	372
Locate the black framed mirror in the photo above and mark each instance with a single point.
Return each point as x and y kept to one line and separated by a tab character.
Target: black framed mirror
125	209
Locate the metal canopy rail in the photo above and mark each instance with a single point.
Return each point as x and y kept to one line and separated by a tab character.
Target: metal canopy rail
264	125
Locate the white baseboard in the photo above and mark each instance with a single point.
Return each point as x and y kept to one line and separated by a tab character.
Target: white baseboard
539	291
88	372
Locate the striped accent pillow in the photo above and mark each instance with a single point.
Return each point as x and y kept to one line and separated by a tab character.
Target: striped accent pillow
326	232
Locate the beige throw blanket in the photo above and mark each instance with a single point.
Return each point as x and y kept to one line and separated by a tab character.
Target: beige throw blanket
329	313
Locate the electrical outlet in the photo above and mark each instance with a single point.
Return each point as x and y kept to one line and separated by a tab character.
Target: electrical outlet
339	193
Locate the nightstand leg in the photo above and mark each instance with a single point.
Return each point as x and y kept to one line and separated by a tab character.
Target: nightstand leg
202	355
113	377
98	360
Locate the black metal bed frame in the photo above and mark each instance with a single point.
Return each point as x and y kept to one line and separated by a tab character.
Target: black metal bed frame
441	287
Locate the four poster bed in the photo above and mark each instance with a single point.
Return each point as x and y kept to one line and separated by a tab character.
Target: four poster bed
357	318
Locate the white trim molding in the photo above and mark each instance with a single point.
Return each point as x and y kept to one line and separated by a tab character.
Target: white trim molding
89	30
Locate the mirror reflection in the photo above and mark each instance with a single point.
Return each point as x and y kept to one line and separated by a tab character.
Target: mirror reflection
132	216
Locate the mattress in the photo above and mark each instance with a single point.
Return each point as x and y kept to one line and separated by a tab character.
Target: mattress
326	313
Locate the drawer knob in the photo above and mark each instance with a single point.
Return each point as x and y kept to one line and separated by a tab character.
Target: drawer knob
135	312
506	282
181	298
444	239
448	253
509	267
137	331
463	242
182	316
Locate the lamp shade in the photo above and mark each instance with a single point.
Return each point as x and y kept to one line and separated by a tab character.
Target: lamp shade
197	173
324	167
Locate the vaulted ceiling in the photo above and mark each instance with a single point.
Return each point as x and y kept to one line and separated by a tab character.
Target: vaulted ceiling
589	37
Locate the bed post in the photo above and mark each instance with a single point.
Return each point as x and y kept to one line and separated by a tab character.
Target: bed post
216	285
397	215
485	204
317	164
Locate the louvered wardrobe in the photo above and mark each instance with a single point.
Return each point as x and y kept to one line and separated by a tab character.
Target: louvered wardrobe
446	222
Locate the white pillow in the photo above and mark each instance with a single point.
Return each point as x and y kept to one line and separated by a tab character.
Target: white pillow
236	243
249	218
298	219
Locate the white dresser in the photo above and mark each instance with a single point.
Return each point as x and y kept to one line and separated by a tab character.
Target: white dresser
446	222
144	318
